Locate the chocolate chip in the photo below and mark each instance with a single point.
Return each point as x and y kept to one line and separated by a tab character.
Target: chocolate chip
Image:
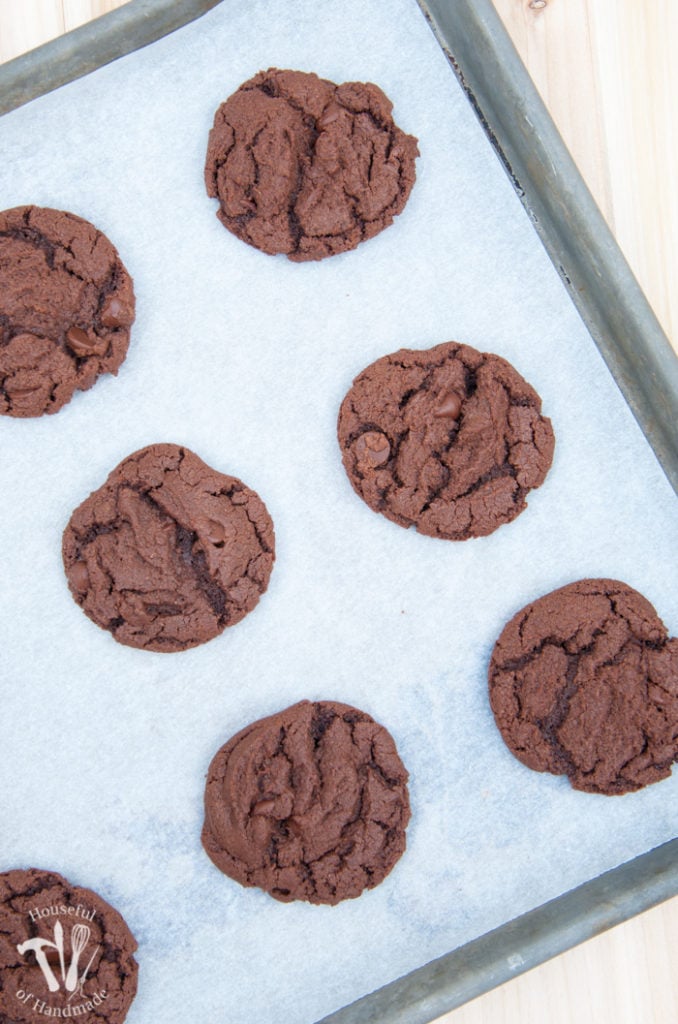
218	533
263	807
79	577
113	313
372	449
449	405
83	345
20	391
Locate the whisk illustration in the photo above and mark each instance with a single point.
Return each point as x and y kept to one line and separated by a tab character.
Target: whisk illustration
79	939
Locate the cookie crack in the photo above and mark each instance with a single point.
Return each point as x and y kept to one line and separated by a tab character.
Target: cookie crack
620	613
265	546
516	664
320	723
391	132
496	473
308	143
470	379
223	157
630	643
33	237
250	148
94	531
391	783
645	747
437	491
197	561
550	725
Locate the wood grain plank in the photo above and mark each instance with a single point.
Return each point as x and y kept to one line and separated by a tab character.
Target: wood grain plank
607	72
77	12
27	23
639	95
626	976
547	38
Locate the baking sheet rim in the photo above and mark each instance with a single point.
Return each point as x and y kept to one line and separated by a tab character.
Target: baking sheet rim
464	30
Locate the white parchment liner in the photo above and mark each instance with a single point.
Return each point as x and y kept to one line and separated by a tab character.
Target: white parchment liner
245	358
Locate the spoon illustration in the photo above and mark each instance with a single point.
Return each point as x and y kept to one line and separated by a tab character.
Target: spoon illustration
79	939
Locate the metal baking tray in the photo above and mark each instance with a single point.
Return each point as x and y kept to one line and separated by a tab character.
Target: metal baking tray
623	327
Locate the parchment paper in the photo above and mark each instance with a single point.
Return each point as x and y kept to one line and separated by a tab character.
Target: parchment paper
244	358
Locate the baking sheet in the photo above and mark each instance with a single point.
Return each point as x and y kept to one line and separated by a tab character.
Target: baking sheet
245	359
564	213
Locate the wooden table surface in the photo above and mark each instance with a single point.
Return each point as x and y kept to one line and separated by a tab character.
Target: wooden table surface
607	71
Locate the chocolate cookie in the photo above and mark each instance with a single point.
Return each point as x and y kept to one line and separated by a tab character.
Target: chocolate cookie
305	167
584	683
447	439
168	552
64	952
66	308
309	804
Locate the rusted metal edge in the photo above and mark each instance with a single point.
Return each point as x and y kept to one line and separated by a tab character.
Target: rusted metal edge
99	42
523	943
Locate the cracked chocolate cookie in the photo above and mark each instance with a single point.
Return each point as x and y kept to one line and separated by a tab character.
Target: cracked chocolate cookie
448	440
66	309
584	683
64	952
308	804
307	168
169	551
